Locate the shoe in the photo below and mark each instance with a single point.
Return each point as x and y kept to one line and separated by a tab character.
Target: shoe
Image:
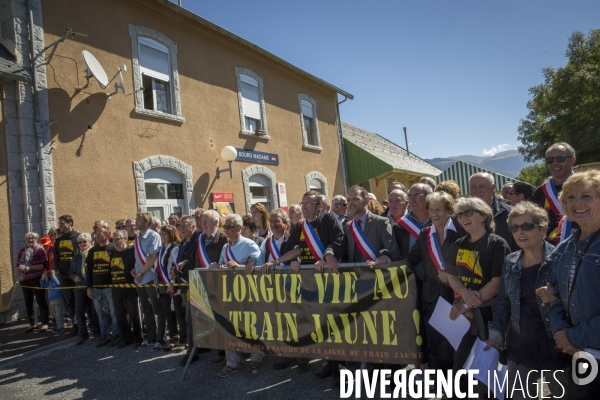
68	320
169	346
30	329
43	328
180	347
115	341
184	360
74	331
227	370
283	364
157	346
102	343
137	344
145	345
122	344
217	359
325	372
302	368
253	367
58	330
81	340
98	338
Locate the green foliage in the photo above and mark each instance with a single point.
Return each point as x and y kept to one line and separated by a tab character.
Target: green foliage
535	174
566	107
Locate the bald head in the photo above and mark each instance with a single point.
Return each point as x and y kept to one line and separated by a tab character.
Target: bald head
481	185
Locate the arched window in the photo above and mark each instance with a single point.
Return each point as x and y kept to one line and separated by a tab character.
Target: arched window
164	192
259	186
317	181
316	185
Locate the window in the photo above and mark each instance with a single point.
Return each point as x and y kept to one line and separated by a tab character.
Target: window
316	185
316	181
251	103
156	79
309	122
165	193
260	189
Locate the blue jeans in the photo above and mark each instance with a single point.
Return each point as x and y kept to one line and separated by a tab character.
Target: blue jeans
105	318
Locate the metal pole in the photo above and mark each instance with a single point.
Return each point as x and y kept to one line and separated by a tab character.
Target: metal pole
406	140
189	361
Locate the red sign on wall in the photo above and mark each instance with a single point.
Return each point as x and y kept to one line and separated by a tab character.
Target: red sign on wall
222	197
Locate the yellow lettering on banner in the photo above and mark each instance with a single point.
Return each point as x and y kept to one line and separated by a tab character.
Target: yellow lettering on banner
267	292
332	329
371	325
347	330
267	327
396	282
388	318
317	335
296	297
350	295
225	297
239	288
321	285
250	325
380	286
280	287
336	289
235	317
291	325
252	287
279	326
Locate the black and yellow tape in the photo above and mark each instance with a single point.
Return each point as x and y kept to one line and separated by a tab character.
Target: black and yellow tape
114	285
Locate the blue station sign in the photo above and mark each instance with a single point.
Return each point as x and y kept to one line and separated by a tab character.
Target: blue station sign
257	157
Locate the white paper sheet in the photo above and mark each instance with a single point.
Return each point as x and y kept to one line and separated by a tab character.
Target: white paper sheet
451	330
487	363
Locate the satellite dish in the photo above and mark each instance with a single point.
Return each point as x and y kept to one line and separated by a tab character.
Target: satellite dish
95	69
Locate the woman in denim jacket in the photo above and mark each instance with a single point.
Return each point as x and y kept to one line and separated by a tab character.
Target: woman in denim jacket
528	340
575	319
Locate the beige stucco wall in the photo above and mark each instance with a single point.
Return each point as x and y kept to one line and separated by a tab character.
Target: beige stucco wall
93	167
6	271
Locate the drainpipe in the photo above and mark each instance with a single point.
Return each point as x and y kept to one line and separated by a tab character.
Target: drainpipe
341	140
38	129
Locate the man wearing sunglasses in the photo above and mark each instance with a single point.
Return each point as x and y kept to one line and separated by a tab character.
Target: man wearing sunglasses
339	206
560	158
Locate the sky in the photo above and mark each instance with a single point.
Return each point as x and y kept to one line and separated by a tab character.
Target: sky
455	73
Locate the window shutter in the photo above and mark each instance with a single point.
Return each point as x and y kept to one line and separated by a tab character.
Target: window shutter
154	63
307	108
250	101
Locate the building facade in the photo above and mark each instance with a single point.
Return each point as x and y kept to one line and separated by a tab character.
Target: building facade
81	146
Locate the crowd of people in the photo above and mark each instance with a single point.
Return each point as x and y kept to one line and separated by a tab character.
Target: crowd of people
522	267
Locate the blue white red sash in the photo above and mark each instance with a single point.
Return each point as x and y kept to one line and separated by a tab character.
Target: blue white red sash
162	269
564	228
551	194
229	254
202	254
312	240
138	250
412	226
361	242
273	250
434	248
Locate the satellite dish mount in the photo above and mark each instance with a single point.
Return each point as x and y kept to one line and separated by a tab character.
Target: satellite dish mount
94	68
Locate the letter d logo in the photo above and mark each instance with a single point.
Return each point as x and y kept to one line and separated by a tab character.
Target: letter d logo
584	368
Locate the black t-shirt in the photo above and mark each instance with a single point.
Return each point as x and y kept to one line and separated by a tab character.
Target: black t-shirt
98	265
328	229
65	248
121	264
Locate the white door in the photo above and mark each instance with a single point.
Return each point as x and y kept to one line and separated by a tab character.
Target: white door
164	192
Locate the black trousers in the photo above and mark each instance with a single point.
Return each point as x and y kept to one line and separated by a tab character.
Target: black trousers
180	315
68	295
128	316
83	305
440	351
40	298
171	319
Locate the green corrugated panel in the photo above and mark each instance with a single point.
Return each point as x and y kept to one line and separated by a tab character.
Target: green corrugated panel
460	172
362	165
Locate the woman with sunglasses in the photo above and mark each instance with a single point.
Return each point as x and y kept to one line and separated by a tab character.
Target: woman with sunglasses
162	275
529	342
475	269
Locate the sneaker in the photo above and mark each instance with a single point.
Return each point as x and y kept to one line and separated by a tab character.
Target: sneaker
115	341
157	346
103	342
252	367
180	348
68	320
227	370
81	340
58	330
184	360
122	344
145	345
169	346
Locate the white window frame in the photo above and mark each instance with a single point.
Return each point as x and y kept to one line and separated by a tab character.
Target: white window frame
267	173
305	143
261	97
146	36
318	176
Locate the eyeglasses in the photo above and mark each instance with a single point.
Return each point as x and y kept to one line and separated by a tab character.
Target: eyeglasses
310	202
229	226
560	159
467	213
84	242
584	198
341	204
436	210
527	226
118	227
414	196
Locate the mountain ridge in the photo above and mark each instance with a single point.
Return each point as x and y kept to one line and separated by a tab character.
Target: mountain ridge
508	162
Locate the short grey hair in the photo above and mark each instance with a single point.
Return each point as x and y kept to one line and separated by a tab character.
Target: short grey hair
401	192
103	224
236	218
296	207
282	214
570	150
338	198
188	220
121	232
198	210
85	236
478	205
34	234
156	221
485	175
422	186
214	215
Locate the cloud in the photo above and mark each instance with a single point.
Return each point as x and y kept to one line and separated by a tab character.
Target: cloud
496	149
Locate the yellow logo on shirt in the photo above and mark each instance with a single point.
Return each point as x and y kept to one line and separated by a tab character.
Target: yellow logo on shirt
469	260
65	244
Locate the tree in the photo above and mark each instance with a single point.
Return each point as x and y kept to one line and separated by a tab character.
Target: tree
535	174
566	107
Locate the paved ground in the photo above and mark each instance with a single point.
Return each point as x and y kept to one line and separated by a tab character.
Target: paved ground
14	342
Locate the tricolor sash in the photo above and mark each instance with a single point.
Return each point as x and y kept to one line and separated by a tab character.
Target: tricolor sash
434	248
273	250
312	240
138	250
229	254
361	242
162	269
413	227
551	194
202	254
564	228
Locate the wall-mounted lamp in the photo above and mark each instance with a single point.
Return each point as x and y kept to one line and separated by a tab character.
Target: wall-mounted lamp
229	154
